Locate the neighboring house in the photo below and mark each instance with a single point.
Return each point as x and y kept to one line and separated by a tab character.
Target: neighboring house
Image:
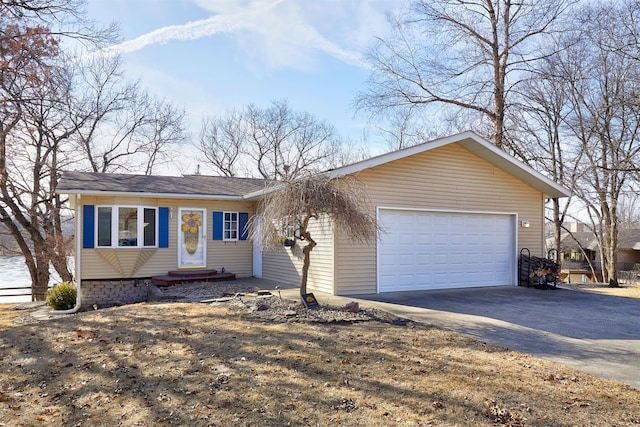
628	249
578	254
579	249
455	212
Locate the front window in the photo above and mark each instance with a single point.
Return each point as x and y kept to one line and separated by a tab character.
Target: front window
230	226
134	226
127	226
149	226
104	225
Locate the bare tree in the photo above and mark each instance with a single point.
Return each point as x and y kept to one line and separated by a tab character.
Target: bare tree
34	159
605	119
276	142
541	128
45	113
223	141
290	207
629	211
401	130
119	126
27	69
460	55
163	134
284	143
64	20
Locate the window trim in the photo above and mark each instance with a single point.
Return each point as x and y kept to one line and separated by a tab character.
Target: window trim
115	210
224	226
97	226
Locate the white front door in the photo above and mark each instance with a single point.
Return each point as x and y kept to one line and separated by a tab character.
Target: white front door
192	238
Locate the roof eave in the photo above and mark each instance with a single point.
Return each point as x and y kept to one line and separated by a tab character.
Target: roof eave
477	145
256	195
397	155
153	195
516	168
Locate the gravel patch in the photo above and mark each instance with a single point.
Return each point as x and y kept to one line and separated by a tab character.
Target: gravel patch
245	299
267	305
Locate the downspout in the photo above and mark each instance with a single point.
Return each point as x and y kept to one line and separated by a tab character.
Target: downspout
77	261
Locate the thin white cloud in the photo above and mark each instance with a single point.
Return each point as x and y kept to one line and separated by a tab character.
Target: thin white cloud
278	31
189	31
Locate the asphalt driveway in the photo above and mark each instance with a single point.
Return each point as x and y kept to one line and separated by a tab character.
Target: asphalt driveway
596	333
592	332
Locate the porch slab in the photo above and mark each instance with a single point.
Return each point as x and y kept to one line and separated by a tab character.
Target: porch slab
177	277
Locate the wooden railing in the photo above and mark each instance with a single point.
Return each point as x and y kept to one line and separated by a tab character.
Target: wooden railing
12	292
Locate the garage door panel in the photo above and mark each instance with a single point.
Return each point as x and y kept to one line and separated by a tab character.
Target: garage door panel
431	250
405	246
423	260
440	238
406	261
422	220
474	258
458	239
406	221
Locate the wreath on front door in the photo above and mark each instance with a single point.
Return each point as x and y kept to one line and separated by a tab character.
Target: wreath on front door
190	226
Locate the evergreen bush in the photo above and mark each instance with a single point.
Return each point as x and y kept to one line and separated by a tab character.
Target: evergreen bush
62	296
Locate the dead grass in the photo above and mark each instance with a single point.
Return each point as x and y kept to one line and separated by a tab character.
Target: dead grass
7	314
628	290
200	365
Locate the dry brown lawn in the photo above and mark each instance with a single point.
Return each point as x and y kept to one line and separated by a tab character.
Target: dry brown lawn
628	290
202	365
7	314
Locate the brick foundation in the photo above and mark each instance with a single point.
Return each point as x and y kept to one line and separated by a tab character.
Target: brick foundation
106	292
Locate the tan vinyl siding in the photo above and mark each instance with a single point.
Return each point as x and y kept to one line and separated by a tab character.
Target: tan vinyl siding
356	267
235	257
285	265
448	178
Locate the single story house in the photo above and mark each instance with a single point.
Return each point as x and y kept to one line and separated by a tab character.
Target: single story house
455	212
579	251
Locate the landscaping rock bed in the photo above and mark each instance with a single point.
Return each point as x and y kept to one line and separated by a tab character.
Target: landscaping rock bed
267	305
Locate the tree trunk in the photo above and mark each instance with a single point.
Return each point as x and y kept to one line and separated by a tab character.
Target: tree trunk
612	254
557	224
60	248
60	265
40	285
39	272
306	263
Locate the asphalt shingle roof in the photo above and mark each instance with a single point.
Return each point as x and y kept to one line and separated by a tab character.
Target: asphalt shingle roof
627	239
194	185
586	238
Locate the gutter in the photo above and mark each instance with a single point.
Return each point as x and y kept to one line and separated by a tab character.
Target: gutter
255	195
79	193
77	263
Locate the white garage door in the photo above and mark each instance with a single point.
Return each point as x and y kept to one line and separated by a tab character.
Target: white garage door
421	250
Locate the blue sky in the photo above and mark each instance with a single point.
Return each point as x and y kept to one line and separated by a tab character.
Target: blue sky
212	55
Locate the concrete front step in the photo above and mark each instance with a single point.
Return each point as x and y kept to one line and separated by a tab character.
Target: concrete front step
176	277
193	272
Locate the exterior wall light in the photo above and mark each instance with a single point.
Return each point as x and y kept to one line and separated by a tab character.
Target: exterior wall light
525	224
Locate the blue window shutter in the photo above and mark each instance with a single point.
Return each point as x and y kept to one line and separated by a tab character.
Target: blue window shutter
163	227
243	219
217	225
88	218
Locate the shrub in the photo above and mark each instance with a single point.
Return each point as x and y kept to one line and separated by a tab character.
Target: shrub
62	296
